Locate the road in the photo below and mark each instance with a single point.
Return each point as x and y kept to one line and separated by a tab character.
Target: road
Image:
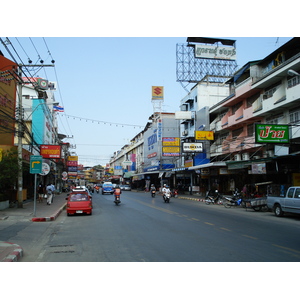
145	229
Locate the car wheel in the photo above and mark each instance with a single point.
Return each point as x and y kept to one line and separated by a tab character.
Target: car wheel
278	210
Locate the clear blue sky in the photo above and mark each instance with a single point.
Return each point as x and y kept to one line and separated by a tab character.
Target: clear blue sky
109	79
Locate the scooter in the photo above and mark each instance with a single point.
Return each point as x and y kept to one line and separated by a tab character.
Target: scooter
117	200
167	197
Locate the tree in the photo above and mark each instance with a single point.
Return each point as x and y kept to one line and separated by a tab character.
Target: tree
8	173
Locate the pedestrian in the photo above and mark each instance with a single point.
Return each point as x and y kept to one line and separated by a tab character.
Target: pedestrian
49	190
41	192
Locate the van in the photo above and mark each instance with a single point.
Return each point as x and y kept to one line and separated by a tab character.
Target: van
107	187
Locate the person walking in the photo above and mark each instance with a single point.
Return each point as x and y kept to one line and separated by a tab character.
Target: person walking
49	190
41	192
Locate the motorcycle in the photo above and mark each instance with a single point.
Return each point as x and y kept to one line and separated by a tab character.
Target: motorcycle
153	193
214	199
235	200
167	197
175	193
117	200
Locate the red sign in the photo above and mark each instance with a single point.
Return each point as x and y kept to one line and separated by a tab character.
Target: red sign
50	151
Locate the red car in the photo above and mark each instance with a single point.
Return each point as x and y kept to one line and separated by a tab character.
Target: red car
79	203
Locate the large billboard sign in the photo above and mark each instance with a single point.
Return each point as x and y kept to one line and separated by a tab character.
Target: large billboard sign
215	52
272	133
192	147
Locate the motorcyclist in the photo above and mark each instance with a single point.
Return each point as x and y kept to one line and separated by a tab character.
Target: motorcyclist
117	191
152	189
165	190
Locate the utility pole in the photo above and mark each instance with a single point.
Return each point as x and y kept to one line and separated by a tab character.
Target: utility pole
21	133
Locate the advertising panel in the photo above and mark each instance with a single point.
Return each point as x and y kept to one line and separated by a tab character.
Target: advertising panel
157	93
170	141
50	151
192	147
272	133
215	52
204	135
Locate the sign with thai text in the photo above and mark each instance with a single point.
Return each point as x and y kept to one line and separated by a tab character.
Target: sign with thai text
204	135
215	52
50	151
272	133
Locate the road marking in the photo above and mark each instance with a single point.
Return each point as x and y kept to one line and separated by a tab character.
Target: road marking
285	248
249	236
226	229
209	223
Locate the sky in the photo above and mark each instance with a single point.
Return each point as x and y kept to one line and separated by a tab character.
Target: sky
108	57
104	83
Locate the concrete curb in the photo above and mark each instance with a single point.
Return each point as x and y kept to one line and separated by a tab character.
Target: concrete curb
51	218
15	255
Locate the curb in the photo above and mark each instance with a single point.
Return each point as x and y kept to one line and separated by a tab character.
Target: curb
51	218
15	255
194	199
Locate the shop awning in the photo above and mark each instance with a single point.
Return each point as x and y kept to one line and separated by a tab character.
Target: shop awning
209	165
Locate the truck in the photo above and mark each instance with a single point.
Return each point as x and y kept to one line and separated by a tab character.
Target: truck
289	203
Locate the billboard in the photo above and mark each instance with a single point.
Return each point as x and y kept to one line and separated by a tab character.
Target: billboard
215	52
204	135
50	151
157	93
272	133
192	147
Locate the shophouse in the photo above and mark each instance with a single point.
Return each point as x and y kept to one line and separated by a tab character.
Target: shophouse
261	92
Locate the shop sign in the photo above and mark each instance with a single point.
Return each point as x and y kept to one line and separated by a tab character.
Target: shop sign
272	133
50	151
192	147
204	135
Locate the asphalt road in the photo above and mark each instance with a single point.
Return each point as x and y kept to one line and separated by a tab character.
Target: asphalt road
145	229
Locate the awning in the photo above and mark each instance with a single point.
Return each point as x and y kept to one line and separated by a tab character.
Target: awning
208	165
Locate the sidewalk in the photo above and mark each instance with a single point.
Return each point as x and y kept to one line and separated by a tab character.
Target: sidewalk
10	252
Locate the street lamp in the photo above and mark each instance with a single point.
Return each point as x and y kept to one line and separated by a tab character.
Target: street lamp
292	73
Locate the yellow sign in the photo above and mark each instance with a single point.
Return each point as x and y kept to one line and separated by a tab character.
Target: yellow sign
73	158
204	135
169	141
171	149
157	93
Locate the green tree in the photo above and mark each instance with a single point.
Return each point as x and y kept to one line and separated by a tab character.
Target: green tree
8	173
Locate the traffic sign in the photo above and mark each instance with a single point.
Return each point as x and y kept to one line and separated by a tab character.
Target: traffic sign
36	164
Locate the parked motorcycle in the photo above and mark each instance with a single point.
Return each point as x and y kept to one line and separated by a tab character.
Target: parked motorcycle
117	199
235	200
214	198
175	193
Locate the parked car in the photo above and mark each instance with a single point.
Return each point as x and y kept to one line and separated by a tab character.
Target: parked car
125	187
79	203
107	187
289	203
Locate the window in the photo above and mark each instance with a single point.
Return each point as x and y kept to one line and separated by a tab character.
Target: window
295	115
269	92
237	132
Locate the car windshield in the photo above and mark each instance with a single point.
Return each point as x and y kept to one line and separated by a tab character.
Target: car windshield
79	197
107	185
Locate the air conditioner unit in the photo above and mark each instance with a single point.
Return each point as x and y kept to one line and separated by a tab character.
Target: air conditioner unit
245	156
237	157
256	157
184	132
